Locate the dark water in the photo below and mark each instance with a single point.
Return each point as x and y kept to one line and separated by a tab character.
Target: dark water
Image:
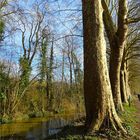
34	129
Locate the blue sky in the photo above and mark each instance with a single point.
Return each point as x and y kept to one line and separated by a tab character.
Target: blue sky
61	23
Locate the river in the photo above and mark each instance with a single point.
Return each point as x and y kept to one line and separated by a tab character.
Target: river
35	128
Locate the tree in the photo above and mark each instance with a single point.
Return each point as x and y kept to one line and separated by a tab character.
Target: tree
117	39
131	59
43	66
69	51
7	87
33	27
97	89
49	80
117	35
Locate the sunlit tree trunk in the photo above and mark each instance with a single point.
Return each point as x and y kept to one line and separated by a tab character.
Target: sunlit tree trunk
99	103
117	40
128	90
123	81
115	67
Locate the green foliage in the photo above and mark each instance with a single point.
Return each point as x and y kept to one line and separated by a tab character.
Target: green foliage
1	29
2	96
4	77
6	119
91	138
24	64
4	81
43	60
34	102
25	73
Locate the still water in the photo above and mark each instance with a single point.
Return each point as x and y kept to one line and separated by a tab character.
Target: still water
34	129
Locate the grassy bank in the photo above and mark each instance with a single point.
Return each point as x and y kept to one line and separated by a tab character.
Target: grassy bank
25	113
76	131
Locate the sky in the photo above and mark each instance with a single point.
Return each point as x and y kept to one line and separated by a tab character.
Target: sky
63	17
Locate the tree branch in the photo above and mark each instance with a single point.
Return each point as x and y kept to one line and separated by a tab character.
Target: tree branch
108	22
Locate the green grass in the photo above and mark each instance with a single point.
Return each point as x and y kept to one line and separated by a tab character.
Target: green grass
129	118
81	138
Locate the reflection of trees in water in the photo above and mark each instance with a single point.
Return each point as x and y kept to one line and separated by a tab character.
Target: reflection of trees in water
54	126
13	137
44	130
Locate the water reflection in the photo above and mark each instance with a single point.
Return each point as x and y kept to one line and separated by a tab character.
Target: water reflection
46	129
40	131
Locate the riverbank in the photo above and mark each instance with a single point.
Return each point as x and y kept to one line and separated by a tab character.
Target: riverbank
130	117
67	107
35	127
71	127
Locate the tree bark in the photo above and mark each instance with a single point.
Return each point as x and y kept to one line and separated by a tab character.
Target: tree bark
123	87
123	80
114	71
97	89
50	94
117	38
128	90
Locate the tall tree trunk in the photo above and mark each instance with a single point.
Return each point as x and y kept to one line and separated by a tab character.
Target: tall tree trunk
123	81
70	68
97	89
117	38
128	90
43	68
50	78
71	73
123	87
115	66
47	90
63	66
